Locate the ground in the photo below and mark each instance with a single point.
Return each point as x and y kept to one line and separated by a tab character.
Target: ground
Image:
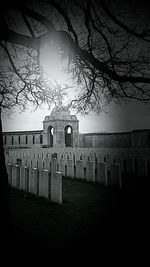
104	223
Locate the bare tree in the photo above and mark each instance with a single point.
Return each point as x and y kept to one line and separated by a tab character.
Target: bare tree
21	82
107	44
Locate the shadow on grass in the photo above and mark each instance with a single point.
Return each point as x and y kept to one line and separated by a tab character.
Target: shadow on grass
107	223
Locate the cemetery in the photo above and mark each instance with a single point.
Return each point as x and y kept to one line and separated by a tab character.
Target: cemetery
71	198
40	168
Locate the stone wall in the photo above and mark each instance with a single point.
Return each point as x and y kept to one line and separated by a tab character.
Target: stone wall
22	139
138	138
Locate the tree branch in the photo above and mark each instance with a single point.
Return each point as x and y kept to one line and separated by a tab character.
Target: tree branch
121	24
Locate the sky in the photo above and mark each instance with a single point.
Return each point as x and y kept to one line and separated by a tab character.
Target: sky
116	119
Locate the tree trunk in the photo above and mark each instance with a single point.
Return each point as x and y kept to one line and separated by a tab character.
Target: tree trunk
5	218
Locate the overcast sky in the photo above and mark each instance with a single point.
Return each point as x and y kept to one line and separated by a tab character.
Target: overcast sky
117	119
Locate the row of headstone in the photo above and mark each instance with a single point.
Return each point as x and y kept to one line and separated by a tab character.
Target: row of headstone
89	173
69	170
101	172
39	182
127	165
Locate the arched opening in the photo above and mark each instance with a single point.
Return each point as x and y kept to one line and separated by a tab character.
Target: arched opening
68	136
50	136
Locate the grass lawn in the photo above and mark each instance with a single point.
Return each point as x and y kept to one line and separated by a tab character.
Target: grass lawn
106	223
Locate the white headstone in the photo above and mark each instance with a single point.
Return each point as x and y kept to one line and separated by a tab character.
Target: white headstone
56	187
44	183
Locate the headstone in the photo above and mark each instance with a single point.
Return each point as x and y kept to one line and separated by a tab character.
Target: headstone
44	183
53	165
102	173
84	160
56	187
120	161
14	160
130	168
79	169
115	175
47	163
24	178
90	173
70	169
15	176
142	167
25	161
40	163
9	171
33	180
62	166
109	161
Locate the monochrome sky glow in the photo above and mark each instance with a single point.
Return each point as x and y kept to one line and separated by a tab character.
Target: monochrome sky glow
116	118
52	64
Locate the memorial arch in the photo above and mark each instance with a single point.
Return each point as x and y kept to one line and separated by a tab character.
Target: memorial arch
60	129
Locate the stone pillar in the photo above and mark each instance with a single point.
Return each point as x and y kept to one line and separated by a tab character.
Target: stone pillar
90	174
24	178
44	183
79	169
15	176
33	180
56	187
102	173
116	175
